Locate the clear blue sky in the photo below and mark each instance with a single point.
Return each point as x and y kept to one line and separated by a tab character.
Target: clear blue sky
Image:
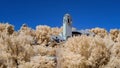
85	13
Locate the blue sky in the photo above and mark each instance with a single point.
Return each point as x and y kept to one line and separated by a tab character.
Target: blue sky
85	13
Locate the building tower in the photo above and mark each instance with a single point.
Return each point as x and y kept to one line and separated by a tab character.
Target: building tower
67	26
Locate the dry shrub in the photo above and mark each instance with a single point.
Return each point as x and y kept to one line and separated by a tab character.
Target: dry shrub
79	45
114	57
17	49
83	52
39	62
6	60
99	31
43	34
7	53
17	45
6	28
56	31
115	50
99	55
26	30
114	34
108	41
68	59
42	50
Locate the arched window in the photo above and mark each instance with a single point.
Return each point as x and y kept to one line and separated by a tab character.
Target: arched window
68	20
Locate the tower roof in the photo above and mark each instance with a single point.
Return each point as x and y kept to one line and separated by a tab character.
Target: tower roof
67	14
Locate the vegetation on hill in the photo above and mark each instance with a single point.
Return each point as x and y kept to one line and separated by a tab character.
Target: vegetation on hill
28	48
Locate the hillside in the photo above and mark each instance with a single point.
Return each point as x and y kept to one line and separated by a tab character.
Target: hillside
28	48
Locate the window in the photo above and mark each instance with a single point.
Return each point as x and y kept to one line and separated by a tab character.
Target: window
68	20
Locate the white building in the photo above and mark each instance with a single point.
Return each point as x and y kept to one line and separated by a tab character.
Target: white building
67	30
